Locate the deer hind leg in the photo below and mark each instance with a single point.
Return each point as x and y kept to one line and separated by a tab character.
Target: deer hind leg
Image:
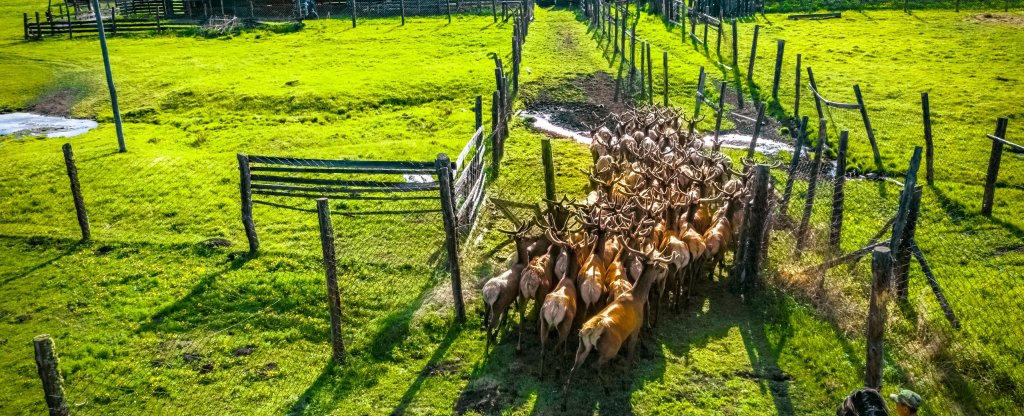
543	340
522	323
581	356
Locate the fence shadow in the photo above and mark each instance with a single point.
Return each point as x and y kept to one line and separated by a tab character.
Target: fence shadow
70	247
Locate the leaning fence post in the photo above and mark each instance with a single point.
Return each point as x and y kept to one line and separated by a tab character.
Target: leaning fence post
906	198
812	187
753	54
549	168
994	160
867	126
836	225
76	192
881	272
650	77
735	47
929	152
444	179
747	276
901	269
245	186
757	130
793	164
778	69
323	211
110	78
49	373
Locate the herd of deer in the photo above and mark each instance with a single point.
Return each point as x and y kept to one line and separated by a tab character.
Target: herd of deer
663	212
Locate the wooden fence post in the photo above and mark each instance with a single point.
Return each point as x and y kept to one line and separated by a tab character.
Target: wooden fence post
720	113
402	6
494	10
867	126
906	198
26	25
735	46
549	168
929	151
778	69
49	373
650	77
812	187
994	160
753	54
881	273
478	110
245	186
718	39
76	192
448	3
700	93
444	178
110	77
901	269
814	88
757	129
664	64
353	13
746	273
836	225
643	67
793	164
495	131
796	99
323	211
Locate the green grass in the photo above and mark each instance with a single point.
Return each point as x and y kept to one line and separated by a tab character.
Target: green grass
147	319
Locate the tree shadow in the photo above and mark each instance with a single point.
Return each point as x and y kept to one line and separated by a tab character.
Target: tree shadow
71	247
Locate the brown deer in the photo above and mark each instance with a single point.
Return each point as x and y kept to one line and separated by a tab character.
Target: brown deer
503	289
559	308
619	322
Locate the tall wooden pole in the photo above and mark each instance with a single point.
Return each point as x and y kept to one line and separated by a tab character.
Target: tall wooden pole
110	77
331	271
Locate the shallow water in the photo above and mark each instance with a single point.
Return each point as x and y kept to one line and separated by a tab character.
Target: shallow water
28	124
543	123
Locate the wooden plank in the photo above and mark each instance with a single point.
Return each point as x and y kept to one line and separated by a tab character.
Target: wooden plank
329	170
419	187
1015	146
354	164
815	16
392	197
469	145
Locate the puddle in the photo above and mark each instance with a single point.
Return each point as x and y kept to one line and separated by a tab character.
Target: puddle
28	124
417	178
542	123
742	141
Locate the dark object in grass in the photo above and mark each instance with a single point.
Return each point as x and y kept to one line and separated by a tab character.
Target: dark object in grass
243	351
215	242
815	16
863	402
483	399
103	250
191	358
206	368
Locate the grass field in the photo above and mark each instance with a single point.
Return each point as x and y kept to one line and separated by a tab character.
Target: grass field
146	319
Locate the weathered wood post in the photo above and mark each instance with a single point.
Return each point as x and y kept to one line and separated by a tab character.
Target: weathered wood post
836	224
650	77
26	25
700	93
402	6
444	179
632	65
753	54
549	168
867	126
994	160
906	199
643	67
245	186
796	99
323	211
494	10
664	64
49	373
793	164
76	192
814	90
720	113
354	6
757	129
929	151
812	187
718	39
478	112
881	273
778	69
735	45
495	132
901	269
448	3
110	77
746	273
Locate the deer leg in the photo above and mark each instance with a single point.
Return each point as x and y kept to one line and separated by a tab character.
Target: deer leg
581	355
543	340
522	323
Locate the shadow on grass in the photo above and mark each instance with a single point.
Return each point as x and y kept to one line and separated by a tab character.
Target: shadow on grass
70	247
958	213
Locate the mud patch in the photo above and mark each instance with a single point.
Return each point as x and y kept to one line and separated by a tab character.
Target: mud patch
1011	19
442	368
599	92
56	102
484	398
